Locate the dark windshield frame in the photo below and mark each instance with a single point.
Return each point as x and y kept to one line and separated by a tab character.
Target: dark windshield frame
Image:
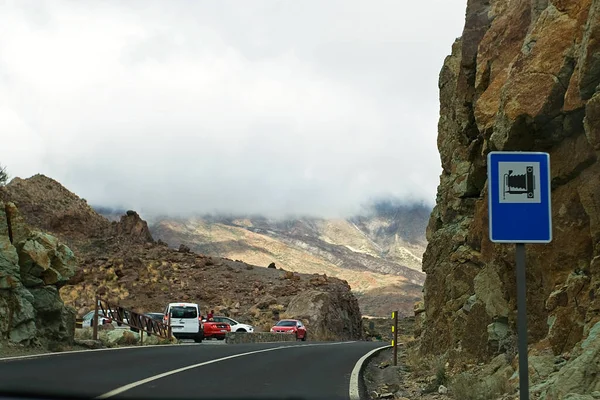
185	312
286	323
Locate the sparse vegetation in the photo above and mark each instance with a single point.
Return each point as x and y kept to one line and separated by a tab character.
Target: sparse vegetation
440	373
83	333
3	175
467	386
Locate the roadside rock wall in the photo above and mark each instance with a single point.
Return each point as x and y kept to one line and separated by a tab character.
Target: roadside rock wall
33	266
524	76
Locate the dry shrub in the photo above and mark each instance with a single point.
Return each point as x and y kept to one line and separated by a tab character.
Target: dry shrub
128	339
83	333
255	312
277	307
418	363
285	315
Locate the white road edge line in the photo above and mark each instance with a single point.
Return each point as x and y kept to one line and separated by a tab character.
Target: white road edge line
130	386
355	376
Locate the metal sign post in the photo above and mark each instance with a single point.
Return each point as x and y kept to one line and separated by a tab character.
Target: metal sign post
520	212
522	322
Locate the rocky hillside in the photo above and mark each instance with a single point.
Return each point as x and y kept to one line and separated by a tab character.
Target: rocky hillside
122	262
370	252
33	267
523	76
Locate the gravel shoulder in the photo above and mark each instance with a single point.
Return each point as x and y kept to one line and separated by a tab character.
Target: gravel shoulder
9	350
385	381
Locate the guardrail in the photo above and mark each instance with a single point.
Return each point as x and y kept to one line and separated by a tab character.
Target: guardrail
131	318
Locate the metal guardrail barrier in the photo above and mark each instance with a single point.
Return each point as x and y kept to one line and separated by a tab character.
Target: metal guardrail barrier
133	319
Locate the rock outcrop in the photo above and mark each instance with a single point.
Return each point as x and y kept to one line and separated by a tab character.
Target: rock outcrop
523	77
33	266
132	227
328	315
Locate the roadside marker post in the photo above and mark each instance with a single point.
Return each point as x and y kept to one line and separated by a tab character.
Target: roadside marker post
395	339
519	207
95	321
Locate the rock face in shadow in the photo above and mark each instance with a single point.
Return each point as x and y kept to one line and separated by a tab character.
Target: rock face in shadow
33	266
523	77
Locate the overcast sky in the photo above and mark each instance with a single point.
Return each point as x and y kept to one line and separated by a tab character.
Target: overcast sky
273	107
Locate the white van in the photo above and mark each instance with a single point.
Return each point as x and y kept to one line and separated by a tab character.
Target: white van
186	321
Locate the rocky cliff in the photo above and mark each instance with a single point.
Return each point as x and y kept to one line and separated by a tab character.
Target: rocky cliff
33	266
523	76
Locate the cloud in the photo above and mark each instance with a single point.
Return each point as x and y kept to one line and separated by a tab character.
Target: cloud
265	107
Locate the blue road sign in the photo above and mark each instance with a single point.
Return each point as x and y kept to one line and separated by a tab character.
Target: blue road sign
519	197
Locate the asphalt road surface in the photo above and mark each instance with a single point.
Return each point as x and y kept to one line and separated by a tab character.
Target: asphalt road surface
244	371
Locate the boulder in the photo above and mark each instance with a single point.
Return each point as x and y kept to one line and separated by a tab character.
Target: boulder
579	375
497	331
488	289
122	337
265	302
46	299
43	260
328	315
21	308
24	333
34	259
64	262
151	340
419	307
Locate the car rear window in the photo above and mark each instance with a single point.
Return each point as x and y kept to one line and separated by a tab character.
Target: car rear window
286	323
184	312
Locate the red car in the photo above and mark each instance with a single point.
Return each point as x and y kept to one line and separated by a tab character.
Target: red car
216	330
291	326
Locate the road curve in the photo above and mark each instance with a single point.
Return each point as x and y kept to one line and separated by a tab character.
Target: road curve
244	371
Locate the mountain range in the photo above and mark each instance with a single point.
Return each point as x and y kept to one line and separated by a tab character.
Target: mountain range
378	253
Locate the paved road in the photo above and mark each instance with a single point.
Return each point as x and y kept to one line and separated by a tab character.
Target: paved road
243	371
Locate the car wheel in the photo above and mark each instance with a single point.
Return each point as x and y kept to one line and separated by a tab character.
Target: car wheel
198	339
221	338
304	337
241	330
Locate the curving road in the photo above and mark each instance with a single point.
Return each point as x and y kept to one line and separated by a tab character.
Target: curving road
242	371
